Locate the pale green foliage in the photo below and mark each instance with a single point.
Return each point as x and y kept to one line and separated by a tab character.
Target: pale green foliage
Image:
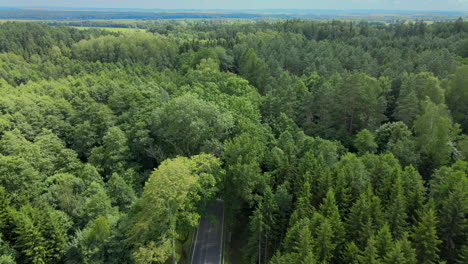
457	96
434	132
99	232
169	199
153	253
154	50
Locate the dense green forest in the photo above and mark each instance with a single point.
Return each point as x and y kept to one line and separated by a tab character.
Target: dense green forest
329	142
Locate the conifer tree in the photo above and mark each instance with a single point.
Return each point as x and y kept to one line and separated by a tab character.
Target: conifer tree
370	254
425	238
383	241
325	246
330	211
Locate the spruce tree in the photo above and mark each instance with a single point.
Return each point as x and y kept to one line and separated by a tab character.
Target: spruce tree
425	238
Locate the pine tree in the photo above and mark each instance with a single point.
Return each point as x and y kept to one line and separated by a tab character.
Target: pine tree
425	238
253	248
463	256
370	254
365	218
351	253
395	255
408	250
304	208
383	241
396	212
299	240
407	105
453	222
324	246
448	191
413	191
330	211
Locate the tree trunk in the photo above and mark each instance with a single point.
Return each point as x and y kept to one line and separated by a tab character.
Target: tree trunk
173	252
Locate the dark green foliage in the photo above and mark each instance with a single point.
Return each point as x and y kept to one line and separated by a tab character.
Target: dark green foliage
425	238
329	142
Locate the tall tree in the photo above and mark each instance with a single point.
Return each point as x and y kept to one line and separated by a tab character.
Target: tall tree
425	238
112	156
434	133
167	207
365	142
254	69
361	102
457	96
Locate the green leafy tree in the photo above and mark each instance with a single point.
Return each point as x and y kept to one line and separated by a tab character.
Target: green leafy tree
120	193
365	142
166	208
66	193
96	204
19	178
242	157
187	123
113	155
397	139
457	96
434	133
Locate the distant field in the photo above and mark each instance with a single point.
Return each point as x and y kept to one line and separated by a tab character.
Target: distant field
112	29
17	20
69	15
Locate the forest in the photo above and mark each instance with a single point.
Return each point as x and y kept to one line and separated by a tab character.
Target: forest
328	141
143	16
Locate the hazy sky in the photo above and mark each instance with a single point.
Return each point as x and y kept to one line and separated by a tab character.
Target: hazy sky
454	5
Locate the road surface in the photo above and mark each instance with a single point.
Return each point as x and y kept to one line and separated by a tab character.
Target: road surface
208	245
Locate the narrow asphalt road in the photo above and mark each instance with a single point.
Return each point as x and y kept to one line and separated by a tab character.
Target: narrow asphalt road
208	245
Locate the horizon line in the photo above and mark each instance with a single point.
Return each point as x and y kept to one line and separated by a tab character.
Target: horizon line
64	8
